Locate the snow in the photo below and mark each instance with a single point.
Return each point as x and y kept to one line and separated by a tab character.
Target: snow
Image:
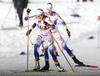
13	40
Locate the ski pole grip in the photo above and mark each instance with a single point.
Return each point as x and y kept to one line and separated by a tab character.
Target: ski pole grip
28	11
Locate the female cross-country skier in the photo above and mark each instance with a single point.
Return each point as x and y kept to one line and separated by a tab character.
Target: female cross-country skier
43	23
54	17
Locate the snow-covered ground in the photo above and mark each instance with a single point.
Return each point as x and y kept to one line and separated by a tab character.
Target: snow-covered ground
13	40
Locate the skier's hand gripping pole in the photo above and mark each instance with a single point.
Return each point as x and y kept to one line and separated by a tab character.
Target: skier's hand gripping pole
47	25
28	32
59	47
68	32
28	11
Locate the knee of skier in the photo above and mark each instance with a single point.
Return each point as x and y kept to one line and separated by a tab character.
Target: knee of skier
64	46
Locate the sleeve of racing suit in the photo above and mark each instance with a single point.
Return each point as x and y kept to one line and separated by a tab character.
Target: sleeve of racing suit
62	21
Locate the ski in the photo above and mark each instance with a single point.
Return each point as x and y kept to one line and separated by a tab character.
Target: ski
65	71
91	66
47	71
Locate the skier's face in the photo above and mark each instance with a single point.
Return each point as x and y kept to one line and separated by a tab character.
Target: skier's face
49	10
40	16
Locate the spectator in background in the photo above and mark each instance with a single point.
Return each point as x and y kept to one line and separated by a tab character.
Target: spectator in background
77	0
19	6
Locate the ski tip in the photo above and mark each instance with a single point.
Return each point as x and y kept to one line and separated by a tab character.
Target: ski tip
93	66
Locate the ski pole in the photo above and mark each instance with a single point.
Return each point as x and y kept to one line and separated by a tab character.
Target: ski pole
61	49
31	41
67	39
7	15
28	43
32	45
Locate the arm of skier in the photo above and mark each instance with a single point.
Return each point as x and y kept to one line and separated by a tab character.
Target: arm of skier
65	25
30	17
29	31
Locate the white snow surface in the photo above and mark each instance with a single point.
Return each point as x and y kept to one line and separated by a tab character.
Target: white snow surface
13	40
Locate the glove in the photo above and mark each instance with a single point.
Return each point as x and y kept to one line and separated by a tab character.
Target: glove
28	31
28	10
69	34
47	24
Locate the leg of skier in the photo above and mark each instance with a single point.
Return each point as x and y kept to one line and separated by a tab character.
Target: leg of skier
64	46
49	43
46	57
51	50
62	43
38	42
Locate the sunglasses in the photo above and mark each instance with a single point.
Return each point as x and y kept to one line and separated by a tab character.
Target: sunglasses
49	9
39	16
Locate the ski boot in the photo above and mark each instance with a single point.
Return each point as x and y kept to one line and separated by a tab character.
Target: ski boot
46	67
77	61
37	64
59	67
